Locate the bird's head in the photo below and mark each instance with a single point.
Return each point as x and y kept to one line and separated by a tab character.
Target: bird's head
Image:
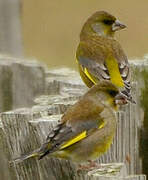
108	94
102	23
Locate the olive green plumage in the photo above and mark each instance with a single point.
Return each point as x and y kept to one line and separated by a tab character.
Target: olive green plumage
86	129
100	56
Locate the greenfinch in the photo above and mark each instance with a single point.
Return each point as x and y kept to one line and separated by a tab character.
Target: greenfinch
87	128
100	56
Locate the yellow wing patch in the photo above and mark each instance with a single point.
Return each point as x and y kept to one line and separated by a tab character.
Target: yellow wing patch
74	140
114	72
102	125
89	75
78	138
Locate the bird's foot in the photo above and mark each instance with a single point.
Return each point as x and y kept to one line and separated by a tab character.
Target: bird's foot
88	167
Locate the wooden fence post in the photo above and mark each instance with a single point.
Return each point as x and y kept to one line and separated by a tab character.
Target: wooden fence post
20	82
26	129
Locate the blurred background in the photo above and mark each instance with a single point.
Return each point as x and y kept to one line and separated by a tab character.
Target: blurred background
50	29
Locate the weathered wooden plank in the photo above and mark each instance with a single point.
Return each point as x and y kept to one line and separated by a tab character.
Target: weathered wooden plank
113	171
27	129
141	75
30	137
20	140
61	81
6	173
20	82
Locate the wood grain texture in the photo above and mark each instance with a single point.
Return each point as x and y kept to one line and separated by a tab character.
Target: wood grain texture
26	129
20	82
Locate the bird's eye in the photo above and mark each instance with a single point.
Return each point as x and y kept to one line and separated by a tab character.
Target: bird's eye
108	22
112	93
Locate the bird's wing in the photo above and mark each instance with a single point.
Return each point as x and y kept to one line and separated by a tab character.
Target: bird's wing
94	70
124	69
68	132
91	59
99	63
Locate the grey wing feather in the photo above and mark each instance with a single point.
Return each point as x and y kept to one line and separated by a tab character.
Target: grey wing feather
64	132
98	70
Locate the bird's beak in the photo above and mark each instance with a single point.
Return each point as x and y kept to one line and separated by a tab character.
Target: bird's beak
117	25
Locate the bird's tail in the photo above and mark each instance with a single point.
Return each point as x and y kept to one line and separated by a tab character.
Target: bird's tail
33	154
39	153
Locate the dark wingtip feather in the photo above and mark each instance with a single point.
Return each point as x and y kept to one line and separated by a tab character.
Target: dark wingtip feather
25	157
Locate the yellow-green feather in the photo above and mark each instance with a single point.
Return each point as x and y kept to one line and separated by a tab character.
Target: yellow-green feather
78	138
99	150
74	140
89	75
114	72
84	77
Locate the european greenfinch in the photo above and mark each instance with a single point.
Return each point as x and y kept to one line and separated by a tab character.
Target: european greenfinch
100	56
87	128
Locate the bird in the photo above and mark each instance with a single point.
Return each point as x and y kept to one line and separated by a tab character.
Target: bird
100	56
86	129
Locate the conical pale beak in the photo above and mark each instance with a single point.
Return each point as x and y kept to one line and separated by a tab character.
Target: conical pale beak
117	25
